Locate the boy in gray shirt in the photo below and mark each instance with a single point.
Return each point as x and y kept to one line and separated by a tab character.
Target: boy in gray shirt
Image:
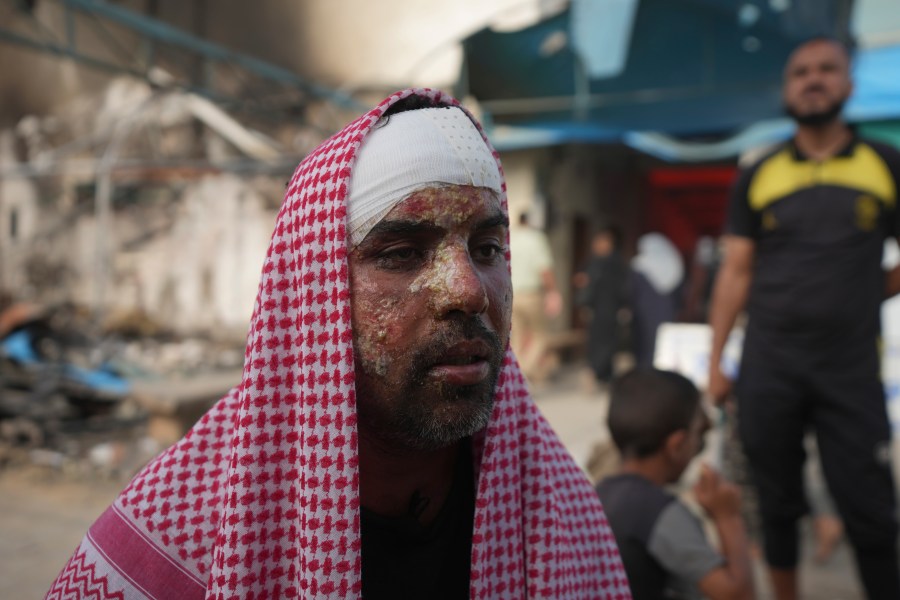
657	423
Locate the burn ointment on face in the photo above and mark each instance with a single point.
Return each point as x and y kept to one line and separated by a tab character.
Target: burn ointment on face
431	311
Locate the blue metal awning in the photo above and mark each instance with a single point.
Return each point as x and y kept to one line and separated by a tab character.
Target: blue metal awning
876	98
693	70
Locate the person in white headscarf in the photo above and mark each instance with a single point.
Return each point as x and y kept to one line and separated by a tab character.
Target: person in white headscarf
657	273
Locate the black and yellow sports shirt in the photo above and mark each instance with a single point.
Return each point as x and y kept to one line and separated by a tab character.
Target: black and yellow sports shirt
819	229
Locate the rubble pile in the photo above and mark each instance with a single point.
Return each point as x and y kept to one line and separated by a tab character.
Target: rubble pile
103	404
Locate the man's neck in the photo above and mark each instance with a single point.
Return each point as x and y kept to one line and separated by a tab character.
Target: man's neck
392	481
821	142
652	468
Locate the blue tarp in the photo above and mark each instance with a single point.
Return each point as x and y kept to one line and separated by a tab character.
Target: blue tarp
877	85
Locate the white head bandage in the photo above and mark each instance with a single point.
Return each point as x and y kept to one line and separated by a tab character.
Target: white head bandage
415	149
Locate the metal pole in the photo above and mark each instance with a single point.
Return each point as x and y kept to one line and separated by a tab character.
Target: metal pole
102	202
103	193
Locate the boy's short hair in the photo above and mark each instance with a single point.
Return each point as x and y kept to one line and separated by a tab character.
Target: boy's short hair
646	406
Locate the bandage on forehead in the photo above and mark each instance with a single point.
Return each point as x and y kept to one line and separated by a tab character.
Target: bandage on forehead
414	150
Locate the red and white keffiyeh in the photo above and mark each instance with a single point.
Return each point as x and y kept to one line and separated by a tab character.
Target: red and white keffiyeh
261	498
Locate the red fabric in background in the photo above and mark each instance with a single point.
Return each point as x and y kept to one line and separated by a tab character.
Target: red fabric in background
687	203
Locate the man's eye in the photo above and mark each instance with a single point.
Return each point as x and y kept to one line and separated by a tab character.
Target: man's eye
399	257
488	252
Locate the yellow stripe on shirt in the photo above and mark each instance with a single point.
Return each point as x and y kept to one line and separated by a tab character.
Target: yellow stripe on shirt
781	175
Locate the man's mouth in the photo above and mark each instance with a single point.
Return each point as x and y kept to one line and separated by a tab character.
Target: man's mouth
461	360
464	363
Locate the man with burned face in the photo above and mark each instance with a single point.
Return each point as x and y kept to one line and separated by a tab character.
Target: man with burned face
382	442
431	304
806	230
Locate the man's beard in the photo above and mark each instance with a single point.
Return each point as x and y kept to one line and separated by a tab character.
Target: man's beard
818	118
424	415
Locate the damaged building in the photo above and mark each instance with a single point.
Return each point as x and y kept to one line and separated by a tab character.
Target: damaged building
180	239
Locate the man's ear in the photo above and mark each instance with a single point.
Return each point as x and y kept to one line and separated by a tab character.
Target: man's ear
675	442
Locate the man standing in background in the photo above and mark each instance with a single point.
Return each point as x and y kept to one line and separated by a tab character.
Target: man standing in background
535	297
805	236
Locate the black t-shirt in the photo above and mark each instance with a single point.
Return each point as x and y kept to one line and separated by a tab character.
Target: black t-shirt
632	505
819	229
662	544
403	559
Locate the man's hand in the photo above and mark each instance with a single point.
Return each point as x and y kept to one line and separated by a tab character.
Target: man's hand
720	385
552	298
552	303
892	282
729	297
718	497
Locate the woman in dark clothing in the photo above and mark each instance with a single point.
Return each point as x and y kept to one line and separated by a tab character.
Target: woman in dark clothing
603	292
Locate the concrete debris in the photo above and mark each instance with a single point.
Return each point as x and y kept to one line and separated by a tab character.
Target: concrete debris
121	458
180	358
101	403
47	458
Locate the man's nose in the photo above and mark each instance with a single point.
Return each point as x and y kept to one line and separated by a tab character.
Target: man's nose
463	290
815	76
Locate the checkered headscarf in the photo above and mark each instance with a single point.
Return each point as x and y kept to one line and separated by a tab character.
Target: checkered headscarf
261	499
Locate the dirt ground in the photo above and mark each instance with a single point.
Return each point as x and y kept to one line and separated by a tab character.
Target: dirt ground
43	515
